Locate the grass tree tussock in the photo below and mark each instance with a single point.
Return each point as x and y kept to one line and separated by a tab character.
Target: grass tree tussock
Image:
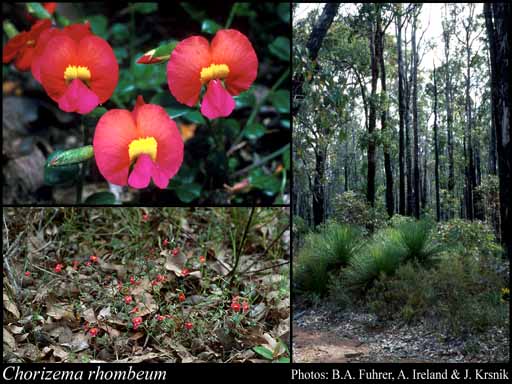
327	250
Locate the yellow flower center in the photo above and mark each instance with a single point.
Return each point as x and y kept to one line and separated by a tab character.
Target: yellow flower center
214	71
77	72
144	146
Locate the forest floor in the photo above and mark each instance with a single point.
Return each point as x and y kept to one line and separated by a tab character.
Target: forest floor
321	334
145	285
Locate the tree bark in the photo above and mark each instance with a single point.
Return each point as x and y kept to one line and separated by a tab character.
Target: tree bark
436	150
401	112
313	46
318	188
374	60
415	120
499	30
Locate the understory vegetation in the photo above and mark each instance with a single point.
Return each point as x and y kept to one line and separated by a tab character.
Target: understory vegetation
451	274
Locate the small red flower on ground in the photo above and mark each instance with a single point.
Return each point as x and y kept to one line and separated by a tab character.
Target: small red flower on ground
235	307
245	306
145	217
154	282
135	310
165	242
132	280
27	273
136	321
75	264
185	272
202	259
58	268
160	317
88	264
175	251
128	299
94	258
21	47
226	67
181	297
146	138
160	278
189	325
93	332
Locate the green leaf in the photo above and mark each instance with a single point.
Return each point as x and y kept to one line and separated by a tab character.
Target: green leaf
99	25
269	184
231	127
280	48
37	10
245	99
263	351
64	175
283	10
120	32
285	123
286	160
101	198
148	76
254	131
283	360
171	105
189	192
210	26
281	100
70	156
145	8
194	117
9	29
121	53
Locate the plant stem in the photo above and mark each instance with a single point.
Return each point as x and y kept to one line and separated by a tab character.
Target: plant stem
258	105
231	15
262	161
9	29
80	184
241	246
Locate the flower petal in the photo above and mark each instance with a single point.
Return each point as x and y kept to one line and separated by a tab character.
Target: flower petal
24	58
60	52
39	50
153	121
184	69
13	46
78	98
141	173
233	48
114	133
217	102
139	103
97	55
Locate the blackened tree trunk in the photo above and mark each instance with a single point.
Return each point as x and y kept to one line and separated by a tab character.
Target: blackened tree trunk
318	188
313	46
436	150
499	31
401	112
383	117
408	152
415	119
374	60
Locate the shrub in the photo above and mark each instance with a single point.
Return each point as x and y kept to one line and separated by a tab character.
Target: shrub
353	209
416	238
324	251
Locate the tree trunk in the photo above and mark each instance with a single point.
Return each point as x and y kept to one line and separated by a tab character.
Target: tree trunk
408	153
436	150
415	120
499	30
383	118
471	166
313	46
401	111
318	188
374	60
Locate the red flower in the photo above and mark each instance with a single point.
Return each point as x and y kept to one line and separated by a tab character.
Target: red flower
165	242
226	67
128	299
145	217
181	297
135	310
175	251
78	75
160	317
245	306
202	259
146	137
136	321
189	325
154	282
185	272
160	278
22	46
133	281
235	306
88	263
94	258
27	273
50	8
58	268
75	264
93	332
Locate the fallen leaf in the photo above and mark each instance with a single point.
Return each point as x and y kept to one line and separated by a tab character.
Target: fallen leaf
9	340
10	306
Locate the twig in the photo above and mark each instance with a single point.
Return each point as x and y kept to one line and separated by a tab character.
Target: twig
261	162
272	266
231	15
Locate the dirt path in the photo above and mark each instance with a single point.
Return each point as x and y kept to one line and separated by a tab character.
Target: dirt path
320	335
